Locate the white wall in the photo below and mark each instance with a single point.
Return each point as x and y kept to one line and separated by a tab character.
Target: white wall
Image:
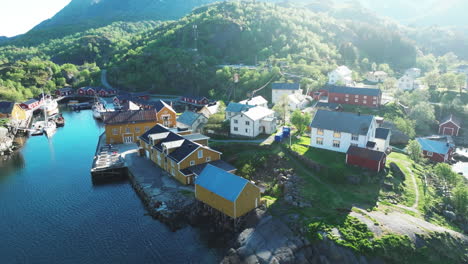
277	94
345	140
252	128
406	83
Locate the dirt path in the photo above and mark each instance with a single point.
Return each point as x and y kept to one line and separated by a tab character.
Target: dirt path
414	207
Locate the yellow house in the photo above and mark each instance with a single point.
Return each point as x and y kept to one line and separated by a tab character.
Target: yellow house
12	111
127	126
180	153
230	194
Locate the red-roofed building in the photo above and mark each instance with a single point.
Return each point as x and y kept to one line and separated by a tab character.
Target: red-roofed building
450	126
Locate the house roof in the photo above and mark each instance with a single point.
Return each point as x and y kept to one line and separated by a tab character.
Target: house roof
6	107
221	182
129	105
342	121
157	129
257	100
353	90
285	86
382	133
197	169
188	118
365	153
183	150
170	137
237	107
434	146
65	89
30	101
159	105
124	117
213	109
258	112
195	137
453	119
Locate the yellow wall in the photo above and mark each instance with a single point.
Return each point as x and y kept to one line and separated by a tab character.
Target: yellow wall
217	202
246	201
121	131
172	120
17	113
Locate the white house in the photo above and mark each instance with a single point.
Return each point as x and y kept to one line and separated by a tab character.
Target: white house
406	83
337	131
191	120
209	110
341	75
256	101
382	139
376	76
254	121
413	72
297	101
278	90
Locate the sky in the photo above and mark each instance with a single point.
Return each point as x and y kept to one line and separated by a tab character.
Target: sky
19	16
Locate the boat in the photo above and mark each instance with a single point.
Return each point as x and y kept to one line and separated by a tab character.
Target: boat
48	126
59	120
37	129
50	106
99	107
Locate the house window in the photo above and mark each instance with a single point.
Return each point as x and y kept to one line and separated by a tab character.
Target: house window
127	130
365	101
356	96
354	137
319	141
356	100
236	129
336	143
336	98
429	154
235	121
336	134
192	163
375	97
208	159
347	95
246	130
320	131
115	131
346	99
375	102
247	123
354	144
137	130
365	96
200	154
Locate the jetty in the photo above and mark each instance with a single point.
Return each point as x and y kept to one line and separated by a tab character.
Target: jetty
107	163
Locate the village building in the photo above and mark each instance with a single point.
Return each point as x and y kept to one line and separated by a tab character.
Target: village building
191	120
234	109
12	111
126	126
409	82
337	131
256	101
31	104
436	151
298	101
278	90
450	126
179	152
209	110
66	91
165	113
369	97
89	91
341	76
106	92
253	122
228	193
413	72
366	158
195	100
376	76
382	138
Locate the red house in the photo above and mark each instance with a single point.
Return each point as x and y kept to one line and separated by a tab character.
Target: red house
64	91
86	91
369	97
104	92
366	158
30	104
450	126
195	100
436	151
141	96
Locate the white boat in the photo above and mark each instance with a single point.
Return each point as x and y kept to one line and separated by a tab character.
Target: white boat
43	127
50	106
98	108
50	128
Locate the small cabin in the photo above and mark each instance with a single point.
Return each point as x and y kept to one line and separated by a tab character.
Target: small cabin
230	194
86	91
366	158
64	91
195	100
450	126
436	151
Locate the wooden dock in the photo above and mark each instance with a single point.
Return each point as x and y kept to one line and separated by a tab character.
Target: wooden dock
108	164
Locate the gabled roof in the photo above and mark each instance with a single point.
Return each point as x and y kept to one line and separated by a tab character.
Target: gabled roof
30	101
258	112
154	130
6	107
342	121
237	107
65	89
353	90
285	86
124	117
434	146
159	105
453	119
183	150
221	182
171	137
257	100
382	133
130	105
189	117
197	169
368	154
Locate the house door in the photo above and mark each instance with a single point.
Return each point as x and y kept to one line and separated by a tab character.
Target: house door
147	154
448	131
128	139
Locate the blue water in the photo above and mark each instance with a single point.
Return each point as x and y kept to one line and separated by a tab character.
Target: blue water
50	212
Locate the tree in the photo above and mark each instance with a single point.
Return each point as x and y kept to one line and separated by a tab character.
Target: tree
414	150
444	171
432	79
406	126
460	199
282	107
300	121
460	80
424	115
390	84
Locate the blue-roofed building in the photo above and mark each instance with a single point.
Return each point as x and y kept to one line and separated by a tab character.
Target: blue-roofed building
436	151
278	90
230	194
191	120
234	109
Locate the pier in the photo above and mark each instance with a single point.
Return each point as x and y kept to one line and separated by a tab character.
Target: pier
107	163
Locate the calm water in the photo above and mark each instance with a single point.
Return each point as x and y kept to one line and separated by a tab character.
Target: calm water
51	213
462	166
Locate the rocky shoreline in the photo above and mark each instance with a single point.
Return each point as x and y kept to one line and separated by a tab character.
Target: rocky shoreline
7	138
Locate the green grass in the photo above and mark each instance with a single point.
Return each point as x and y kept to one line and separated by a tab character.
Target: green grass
4	121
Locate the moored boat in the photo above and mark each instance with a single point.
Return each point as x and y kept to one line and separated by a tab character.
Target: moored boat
50	106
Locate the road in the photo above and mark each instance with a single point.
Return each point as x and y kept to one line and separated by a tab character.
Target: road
104	81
